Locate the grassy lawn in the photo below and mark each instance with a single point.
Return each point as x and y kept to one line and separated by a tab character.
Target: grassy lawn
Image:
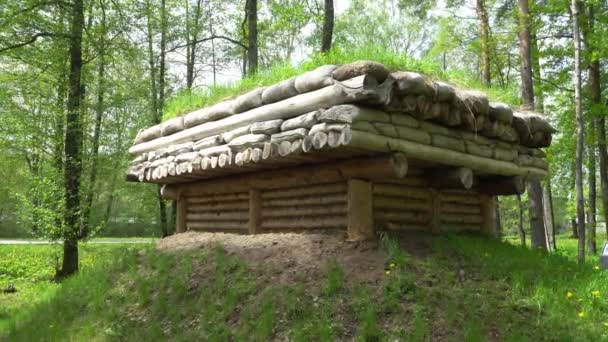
30	269
461	288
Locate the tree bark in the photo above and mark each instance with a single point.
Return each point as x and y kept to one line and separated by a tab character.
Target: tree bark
520	223
538	239
192	33
155	103
603	160
551	211
539	101
252	50
72	147
497	217
535	195
548	214
484	38
527	86
595	88
591	243
580	134
328	26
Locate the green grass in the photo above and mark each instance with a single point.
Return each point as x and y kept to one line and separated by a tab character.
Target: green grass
461	288
30	269
186	101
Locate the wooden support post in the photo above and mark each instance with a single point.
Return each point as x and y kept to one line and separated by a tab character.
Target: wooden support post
435	211
360	210
488	215
255	210
182	212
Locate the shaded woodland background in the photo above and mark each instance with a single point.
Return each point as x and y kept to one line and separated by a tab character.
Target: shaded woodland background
63	143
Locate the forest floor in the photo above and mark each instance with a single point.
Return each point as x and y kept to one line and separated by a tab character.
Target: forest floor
306	287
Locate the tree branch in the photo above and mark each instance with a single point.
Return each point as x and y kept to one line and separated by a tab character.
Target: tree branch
32	40
233	41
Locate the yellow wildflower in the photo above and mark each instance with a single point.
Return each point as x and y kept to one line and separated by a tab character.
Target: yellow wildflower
595	293
569	295
387	272
606	324
392	265
596	267
581	314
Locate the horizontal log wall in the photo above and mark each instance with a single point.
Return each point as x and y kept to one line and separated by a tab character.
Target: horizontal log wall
320	206
415	206
218	213
319	199
402	206
459	211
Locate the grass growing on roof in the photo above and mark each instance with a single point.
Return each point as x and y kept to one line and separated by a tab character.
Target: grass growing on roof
186	101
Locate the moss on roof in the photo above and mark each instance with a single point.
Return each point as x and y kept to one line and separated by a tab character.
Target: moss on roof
187	101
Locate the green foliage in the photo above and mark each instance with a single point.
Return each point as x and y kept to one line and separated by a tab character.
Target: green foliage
42	208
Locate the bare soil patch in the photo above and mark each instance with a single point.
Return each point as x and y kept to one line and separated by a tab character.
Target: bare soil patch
292	256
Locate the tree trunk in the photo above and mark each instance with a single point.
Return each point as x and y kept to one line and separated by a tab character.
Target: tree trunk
520	223
252	50
535	194
603	153
595	88
527	85
99	111
192	33
551	211
539	102
538	239
213	58
548	214
72	147
162	64
328	26
591	244
580	134
497	216
484	38
574	227
154	101
539	96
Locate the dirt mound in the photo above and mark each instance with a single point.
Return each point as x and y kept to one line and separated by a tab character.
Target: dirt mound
290	256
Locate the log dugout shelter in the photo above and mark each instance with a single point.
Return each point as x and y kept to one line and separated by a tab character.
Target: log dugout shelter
353	147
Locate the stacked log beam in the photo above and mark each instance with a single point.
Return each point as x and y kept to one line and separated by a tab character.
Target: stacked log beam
314	207
360	106
228	213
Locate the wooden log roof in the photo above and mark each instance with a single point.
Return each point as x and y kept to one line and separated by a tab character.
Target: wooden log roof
349	111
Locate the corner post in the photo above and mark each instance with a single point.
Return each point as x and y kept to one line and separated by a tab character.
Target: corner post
360	218
488	215
255	211
182	212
